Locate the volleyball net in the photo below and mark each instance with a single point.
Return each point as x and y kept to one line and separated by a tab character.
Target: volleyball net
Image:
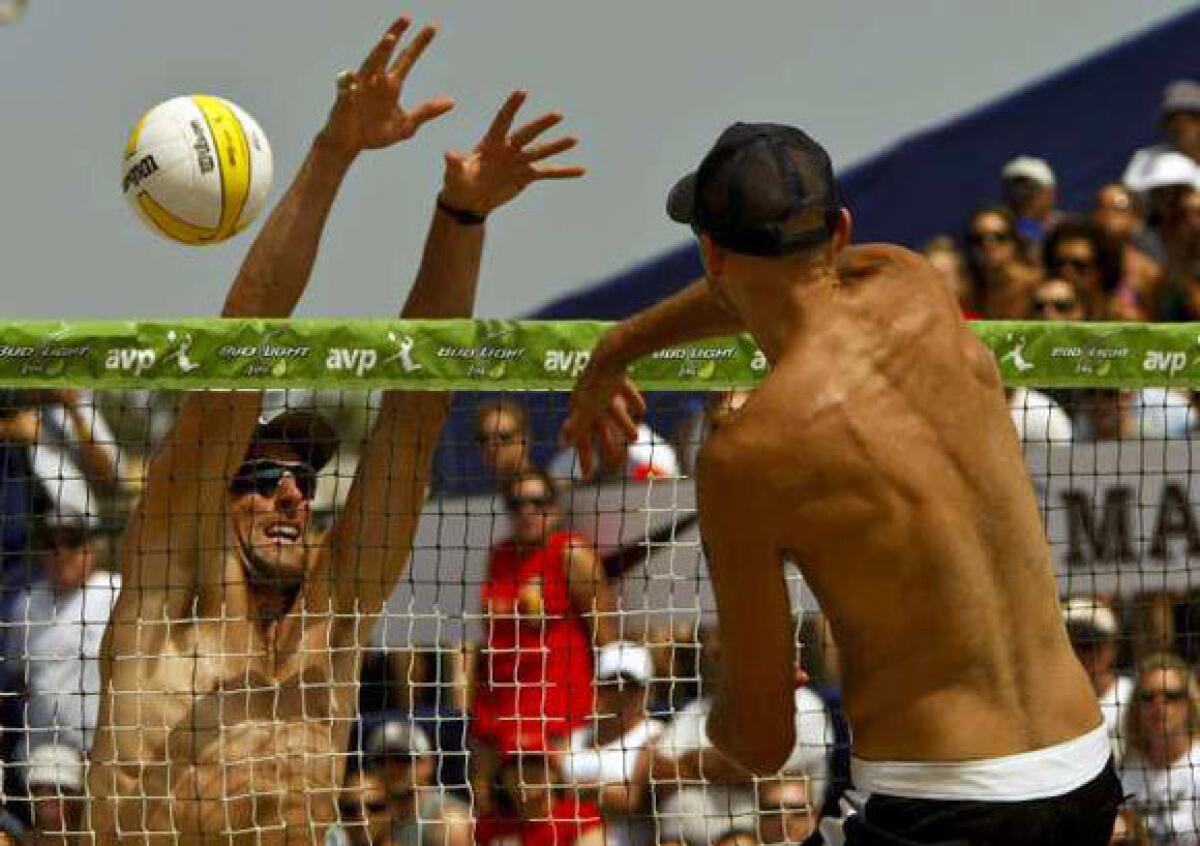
542	664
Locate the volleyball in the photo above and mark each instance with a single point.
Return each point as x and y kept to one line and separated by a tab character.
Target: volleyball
197	169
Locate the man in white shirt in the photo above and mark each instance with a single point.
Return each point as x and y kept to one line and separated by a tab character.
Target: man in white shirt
609	755
52	637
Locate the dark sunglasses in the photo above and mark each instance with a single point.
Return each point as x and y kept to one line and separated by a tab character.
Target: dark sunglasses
263	476
978	239
1062	306
1177	694
516	503
1078	265
503	438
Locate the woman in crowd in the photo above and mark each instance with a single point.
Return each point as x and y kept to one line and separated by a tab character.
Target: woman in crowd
1077	250
1001	275
545	603
1161	767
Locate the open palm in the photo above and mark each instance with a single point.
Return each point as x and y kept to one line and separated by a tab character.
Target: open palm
505	161
368	113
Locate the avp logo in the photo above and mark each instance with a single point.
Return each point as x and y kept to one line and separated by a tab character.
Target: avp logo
137	359
358	361
1161	361
570	362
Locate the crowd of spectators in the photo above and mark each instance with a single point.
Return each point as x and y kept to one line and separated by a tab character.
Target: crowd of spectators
559	727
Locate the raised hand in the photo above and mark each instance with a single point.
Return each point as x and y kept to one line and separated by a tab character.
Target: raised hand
368	113
603	411
505	161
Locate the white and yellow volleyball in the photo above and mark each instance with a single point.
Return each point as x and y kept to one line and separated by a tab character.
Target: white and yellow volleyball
197	169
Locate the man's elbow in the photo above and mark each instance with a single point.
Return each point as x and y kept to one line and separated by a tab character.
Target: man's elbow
762	750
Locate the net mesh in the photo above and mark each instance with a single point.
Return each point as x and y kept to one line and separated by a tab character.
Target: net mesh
551	689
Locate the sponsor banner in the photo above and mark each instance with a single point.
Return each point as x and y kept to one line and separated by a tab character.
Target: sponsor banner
1122	517
515	355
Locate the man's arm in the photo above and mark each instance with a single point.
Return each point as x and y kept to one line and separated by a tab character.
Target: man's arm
372	539
753	716
605	402
182	506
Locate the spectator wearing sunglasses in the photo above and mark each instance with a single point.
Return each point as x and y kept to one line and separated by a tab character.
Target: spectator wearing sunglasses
1161	767
608	758
545	602
53	634
502	434
1077	251
1001	275
1039	416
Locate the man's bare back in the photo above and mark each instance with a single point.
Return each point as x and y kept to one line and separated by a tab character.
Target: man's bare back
882	445
230	664
879	456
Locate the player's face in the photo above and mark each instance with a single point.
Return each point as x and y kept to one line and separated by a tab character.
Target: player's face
1163	697
533	511
502	442
270	503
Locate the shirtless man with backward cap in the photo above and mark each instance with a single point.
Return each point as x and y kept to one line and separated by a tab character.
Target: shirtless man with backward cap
230	666
880	457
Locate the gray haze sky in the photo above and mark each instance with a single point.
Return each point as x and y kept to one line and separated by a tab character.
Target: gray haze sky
647	85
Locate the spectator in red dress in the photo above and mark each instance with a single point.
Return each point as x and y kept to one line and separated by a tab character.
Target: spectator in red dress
545	604
532	808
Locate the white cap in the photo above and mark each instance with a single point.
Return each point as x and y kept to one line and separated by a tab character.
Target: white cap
1170	168
1087	612
623	658
55	765
397	737
651	457
1029	167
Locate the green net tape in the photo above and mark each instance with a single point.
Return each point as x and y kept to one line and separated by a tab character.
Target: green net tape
515	355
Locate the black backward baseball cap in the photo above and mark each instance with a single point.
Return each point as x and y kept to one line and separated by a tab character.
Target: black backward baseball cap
764	189
305	432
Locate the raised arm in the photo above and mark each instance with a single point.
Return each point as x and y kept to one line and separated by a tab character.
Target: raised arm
753	715
367	115
182	507
605	402
372	539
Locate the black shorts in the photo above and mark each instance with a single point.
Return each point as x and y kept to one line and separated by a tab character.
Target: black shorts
1083	817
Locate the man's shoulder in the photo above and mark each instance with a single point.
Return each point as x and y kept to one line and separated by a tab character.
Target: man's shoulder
861	259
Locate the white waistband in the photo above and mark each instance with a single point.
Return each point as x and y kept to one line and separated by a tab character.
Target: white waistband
1039	774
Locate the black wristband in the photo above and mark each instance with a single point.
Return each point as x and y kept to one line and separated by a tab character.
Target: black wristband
466	218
